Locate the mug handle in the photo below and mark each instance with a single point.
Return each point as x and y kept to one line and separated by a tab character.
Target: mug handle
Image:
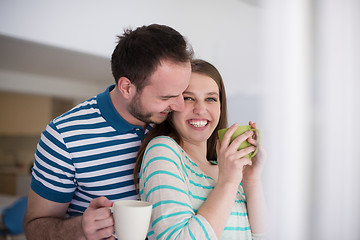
111	209
259	141
112	212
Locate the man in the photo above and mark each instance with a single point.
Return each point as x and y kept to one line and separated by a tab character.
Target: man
85	157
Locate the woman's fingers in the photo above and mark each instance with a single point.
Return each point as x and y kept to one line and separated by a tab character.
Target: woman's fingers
243	152
250	136
253	125
245	161
241	138
227	136
252	141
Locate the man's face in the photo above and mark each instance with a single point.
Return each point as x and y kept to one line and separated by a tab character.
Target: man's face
163	94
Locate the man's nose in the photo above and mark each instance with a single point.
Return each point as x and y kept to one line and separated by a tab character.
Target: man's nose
178	104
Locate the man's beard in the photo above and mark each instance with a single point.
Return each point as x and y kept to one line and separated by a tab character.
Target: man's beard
135	108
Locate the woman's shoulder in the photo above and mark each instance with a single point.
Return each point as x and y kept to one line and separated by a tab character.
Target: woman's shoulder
163	144
163	140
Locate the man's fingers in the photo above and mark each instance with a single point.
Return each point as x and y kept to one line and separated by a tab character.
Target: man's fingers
101	213
105	222
100	202
97	223
105	233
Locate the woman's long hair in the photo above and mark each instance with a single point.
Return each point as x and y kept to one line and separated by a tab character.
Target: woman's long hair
167	128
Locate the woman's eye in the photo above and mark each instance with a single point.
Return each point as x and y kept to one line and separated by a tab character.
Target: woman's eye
211	99
187	98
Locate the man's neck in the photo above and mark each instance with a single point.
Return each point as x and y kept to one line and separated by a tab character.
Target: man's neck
120	105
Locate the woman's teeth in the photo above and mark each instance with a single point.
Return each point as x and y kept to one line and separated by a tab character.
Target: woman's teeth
198	123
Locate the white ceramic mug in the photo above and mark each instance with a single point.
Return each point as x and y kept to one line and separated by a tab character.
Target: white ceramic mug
131	219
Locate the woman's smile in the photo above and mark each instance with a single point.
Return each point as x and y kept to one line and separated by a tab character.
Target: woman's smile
198	123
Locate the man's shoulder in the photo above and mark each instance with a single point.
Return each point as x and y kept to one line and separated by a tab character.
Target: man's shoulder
84	110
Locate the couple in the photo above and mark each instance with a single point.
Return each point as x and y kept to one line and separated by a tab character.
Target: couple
85	158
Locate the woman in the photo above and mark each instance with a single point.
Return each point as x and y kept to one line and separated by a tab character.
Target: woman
194	197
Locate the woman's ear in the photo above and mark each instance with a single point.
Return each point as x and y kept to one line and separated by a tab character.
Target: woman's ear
126	88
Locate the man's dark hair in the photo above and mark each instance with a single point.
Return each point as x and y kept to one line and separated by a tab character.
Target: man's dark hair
139	52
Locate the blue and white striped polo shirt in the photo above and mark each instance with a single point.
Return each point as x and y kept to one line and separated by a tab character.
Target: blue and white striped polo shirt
87	152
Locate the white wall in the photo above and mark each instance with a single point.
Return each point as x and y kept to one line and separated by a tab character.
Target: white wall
91	27
311	90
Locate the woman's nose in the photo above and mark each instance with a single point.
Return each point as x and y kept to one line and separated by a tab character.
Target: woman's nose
199	107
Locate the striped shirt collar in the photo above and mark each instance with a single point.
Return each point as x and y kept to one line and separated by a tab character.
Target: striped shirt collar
110	114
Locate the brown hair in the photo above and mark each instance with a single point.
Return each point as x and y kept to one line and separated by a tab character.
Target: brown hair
139	52
166	128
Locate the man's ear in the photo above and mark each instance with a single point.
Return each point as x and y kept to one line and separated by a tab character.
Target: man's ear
126	88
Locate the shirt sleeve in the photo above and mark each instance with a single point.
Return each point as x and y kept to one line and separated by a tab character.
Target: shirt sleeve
53	171
163	182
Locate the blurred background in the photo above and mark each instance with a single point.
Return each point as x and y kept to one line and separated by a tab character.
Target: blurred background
292	66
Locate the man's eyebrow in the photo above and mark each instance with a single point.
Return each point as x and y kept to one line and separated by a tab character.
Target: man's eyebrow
209	93
170	96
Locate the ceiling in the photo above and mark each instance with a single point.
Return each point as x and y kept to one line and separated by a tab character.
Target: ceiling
29	57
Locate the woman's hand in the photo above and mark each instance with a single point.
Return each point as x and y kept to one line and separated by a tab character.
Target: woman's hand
252	173
231	161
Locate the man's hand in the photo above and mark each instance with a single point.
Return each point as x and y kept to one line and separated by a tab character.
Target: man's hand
97	221
45	219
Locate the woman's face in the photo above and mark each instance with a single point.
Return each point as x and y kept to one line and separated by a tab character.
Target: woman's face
201	113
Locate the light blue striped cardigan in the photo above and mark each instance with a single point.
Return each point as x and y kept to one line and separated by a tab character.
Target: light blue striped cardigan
177	188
